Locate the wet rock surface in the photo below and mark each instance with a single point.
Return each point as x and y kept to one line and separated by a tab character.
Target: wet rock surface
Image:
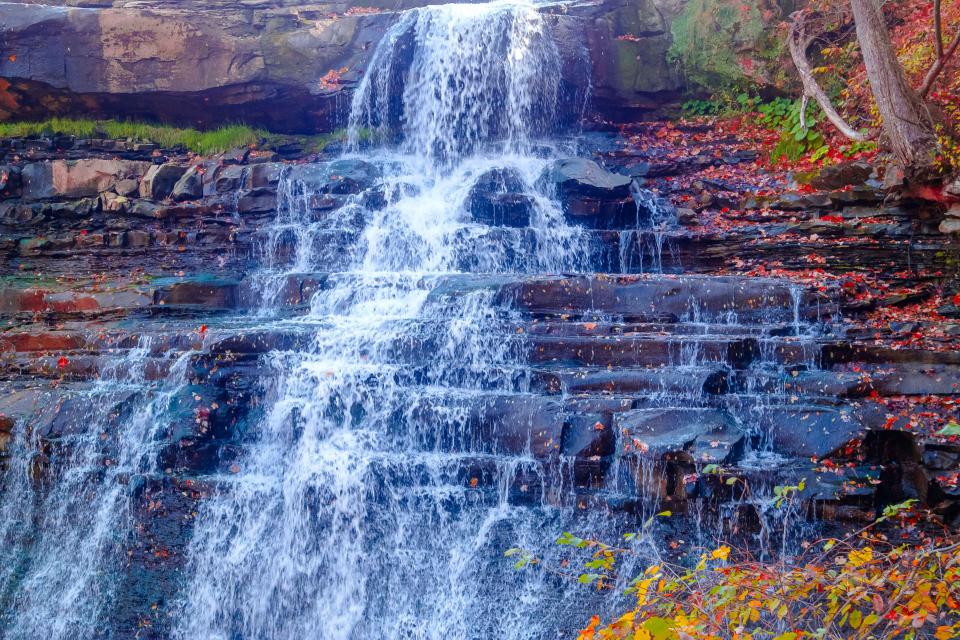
499	199
645	377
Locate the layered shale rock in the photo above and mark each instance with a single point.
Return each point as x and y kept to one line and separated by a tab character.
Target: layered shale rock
283	66
620	393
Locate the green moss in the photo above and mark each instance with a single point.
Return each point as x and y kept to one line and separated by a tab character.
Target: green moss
728	44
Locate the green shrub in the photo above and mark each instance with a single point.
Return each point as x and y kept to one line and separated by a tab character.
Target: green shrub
701	108
721	103
796	140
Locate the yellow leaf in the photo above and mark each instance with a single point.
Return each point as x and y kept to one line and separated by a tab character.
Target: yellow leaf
628	616
855	619
643	588
944	633
702	564
859	557
721	553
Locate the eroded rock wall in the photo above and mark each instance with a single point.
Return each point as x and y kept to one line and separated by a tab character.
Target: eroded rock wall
286	66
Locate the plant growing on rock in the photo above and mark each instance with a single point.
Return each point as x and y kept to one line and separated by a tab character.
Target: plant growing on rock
796	121
864	585
724	45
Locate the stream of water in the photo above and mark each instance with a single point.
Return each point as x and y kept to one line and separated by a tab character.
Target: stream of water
358	511
395	460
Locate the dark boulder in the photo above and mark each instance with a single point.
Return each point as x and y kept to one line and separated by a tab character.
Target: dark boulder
207	293
338	178
498	199
257	202
73	414
590	195
838	176
265	175
231	178
143	209
587	435
742	353
582	177
160	180
189	186
350	177
707	435
809	431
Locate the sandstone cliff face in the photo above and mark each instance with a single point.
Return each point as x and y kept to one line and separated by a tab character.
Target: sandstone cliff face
627	41
184	63
269	62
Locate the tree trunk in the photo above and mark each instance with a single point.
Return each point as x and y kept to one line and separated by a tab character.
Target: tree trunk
798	41
907	123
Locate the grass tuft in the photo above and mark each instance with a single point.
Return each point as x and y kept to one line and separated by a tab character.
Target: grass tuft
202	142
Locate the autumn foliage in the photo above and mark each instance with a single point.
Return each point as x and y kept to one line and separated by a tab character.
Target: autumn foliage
869	584
731	48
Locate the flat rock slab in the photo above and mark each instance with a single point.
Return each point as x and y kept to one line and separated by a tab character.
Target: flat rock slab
22	301
811	431
708	435
661	297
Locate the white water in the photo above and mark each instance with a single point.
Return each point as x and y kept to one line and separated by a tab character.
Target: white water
370	505
449	80
64	529
393	463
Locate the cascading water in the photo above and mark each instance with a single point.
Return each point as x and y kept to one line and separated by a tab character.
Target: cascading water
449	80
369	504
392	457
63	528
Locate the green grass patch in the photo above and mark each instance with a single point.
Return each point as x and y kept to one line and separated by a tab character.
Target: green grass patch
202	142
60	126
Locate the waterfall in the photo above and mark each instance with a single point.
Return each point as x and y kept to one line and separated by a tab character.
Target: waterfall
370	502
450	79
64	527
366	482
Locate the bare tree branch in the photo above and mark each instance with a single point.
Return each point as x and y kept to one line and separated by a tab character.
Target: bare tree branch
937	30
798	42
939	66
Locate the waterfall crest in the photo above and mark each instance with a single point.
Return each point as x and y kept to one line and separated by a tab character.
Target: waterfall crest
450	80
